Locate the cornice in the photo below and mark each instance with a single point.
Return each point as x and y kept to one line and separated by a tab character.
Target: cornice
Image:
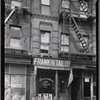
45	17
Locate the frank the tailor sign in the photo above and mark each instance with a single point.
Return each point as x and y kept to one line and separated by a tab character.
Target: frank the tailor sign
51	62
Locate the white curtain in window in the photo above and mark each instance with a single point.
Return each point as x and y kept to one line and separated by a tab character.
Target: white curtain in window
64	39
65	48
45	37
45	2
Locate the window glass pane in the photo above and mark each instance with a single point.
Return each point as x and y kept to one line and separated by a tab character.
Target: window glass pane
65	48
18	81
65	4
87	87
45	10
65	39
45	2
18	86
15	43
46	47
45	37
15	32
7	80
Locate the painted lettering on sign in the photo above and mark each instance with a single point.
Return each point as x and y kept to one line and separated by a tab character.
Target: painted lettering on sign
51	62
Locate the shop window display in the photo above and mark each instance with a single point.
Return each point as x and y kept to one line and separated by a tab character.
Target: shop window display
15	87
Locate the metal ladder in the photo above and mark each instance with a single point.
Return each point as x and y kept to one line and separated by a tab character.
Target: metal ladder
79	35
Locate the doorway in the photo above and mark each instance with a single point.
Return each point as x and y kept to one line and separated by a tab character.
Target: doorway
45	84
75	89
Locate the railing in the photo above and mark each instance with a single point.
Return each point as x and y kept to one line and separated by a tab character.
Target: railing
74	7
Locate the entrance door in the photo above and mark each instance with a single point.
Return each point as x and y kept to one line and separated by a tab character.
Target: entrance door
75	89
46	83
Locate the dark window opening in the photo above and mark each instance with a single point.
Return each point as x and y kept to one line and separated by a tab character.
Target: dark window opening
87	88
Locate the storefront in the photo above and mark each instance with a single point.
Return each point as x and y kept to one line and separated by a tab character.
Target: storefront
17	75
51	78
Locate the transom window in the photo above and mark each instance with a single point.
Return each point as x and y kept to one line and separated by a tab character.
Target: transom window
45	7
45	42
64	43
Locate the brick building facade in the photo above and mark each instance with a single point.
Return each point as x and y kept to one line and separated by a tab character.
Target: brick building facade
50	49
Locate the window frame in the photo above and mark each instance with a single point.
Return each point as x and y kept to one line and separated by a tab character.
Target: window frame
16	38
43	32
64	45
10	75
46	5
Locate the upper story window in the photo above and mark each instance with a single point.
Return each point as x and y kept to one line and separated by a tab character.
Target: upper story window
15	35
84	8
65	4
45	7
45	42
64	43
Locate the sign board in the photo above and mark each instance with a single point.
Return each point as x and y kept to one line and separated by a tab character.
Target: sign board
51	62
44	96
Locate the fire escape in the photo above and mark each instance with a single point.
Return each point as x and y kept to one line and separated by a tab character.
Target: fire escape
67	14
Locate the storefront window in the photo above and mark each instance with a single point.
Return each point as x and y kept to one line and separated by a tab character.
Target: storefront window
15	87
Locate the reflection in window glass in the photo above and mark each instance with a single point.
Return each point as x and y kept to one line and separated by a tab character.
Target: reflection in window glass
15	90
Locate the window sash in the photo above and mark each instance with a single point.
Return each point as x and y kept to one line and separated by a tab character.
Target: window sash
64	39
64	48
45	41
45	2
45	10
15	43
16	90
87	87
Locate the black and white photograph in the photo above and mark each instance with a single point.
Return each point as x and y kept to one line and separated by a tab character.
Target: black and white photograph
50	50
